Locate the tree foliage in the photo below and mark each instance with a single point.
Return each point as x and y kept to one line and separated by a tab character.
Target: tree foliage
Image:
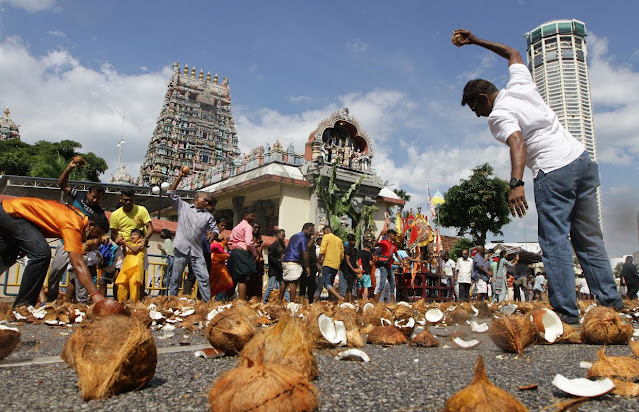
477	205
456	251
48	159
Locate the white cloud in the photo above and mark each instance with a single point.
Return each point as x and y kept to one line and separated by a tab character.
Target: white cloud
300	99
32	6
57	33
357	46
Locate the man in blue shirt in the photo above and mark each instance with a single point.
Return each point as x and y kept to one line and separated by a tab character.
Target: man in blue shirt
295	260
481	276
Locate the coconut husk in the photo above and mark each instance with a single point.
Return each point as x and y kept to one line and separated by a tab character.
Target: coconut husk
457	316
374	316
420	306
142	315
386	336
263	388
623	388
9	339
111	354
275	311
513	333
620	367
352	321
603	326
402	312
482	395
5	311
425	340
231	330
570	335
634	347
365	330
484	310
284	344
107	307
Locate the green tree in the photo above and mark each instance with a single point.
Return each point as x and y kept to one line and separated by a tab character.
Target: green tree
617	270
456	251
48	159
402	194
477	205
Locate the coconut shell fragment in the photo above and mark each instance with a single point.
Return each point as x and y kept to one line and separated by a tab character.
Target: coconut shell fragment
111	354
9	338
603	326
262	388
284	344
513	333
386	336
620	367
482	395
425	340
231	330
107	307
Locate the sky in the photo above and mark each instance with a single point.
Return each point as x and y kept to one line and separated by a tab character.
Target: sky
72	69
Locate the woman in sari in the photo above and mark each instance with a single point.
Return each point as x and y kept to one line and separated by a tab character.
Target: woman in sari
499	278
220	278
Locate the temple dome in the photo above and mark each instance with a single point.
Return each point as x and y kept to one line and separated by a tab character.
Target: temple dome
121	177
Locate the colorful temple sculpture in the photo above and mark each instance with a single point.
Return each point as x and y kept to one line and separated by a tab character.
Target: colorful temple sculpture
195	128
8	128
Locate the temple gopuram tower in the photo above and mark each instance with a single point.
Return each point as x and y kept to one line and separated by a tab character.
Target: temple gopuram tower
8	128
195	128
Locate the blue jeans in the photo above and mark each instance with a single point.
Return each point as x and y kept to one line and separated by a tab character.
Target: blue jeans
328	276
386	273
166	275
566	201
180	260
18	234
273	283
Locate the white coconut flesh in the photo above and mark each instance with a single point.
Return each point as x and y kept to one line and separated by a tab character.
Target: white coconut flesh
585	365
293	307
478	327
508	309
385	322
583	387
402	303
553	328
340	331
475	310
346	305
18	316
328	329
466	344
368	306
9	328
155	315
405	323
434	315
353	354
187	312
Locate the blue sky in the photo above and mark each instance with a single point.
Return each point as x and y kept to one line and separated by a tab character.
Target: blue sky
72	69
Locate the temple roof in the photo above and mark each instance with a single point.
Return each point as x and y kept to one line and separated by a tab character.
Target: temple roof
343	116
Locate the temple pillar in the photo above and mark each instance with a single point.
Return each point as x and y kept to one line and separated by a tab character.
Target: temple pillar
238	209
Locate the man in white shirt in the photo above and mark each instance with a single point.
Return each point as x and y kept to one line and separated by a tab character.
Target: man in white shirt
449	271
565	180
464	271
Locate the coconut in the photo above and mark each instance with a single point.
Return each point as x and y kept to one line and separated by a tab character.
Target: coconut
353	354
583	387
373	316
457	39
111	354
230	330
604	326
570	335
624	388
284	344
620	367
142	315
107	307
352	321
263	387
5	311
513	333
482	395
465	344
403	312
434	315
634	347
425	339
478	327
548	323
9	338
458	316
406	326
386	335
483	310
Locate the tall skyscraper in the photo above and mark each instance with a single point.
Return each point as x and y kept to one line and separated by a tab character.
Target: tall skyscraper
558	60
195	128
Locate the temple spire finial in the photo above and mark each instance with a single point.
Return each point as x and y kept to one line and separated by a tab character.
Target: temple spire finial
208	77
201	74
215	79
6	111
186	69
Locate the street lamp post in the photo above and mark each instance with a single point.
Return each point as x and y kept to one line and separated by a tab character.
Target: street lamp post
157	190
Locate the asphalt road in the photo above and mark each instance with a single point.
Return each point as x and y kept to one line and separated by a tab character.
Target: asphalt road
399	378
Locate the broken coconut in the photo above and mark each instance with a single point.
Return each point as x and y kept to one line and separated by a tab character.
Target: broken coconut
583	387
230	330
386	335
465	344
548	324
478	327
9	338
482	395
333	332
111	354
425	340
109	307
374	315
604	326
352	322
406	326
353	354
434	315
263	387
513	333
284	344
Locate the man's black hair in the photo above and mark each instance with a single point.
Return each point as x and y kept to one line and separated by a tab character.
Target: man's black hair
96	189
212	200
350	236
165	234
277	232
100	220
391	231
308	225
474	88
127	191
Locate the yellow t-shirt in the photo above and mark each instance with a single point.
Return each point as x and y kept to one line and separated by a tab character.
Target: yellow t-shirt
124	222
333	250
52	218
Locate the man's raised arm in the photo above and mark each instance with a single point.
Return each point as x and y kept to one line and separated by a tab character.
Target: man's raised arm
507	52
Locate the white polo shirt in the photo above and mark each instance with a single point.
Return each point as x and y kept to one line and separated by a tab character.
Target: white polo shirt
464	267
520	108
